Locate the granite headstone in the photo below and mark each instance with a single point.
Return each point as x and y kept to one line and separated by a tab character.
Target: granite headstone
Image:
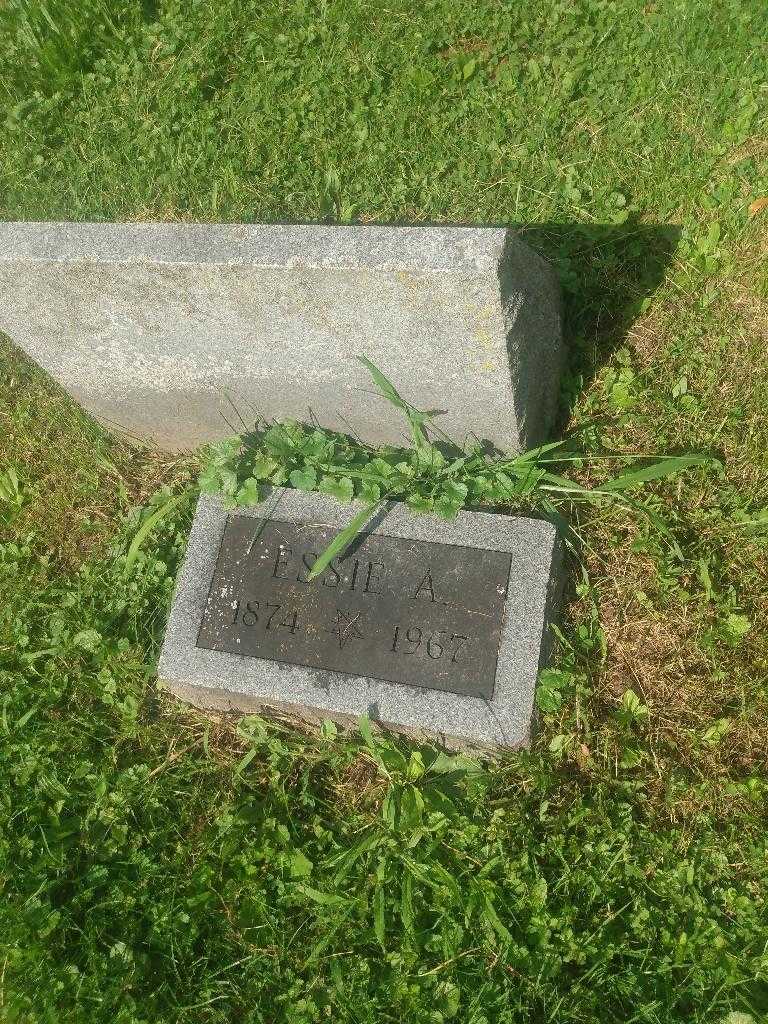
182	333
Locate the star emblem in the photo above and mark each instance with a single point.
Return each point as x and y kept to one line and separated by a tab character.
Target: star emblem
346	627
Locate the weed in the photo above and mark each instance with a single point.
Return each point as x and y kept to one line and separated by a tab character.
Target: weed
430	478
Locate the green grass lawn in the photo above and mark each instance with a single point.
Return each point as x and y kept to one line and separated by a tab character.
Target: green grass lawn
158	864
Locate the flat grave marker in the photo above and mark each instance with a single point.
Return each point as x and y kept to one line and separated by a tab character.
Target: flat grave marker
433	628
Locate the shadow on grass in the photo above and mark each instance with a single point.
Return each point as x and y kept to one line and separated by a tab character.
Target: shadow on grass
607	273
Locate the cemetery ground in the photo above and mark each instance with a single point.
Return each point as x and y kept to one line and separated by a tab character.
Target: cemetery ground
158	863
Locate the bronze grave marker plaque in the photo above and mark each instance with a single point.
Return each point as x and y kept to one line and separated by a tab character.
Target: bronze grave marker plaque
406	611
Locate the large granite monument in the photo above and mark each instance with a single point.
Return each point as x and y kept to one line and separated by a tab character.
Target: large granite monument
182	333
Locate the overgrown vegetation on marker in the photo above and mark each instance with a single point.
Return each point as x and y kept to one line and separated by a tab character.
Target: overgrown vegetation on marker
155	863
439	478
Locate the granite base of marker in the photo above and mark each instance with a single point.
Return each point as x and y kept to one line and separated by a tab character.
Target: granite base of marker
180	334
310	719
305	694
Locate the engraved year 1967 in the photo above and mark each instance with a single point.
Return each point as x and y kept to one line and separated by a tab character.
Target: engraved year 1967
410	641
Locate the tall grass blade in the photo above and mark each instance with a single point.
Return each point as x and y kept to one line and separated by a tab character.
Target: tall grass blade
665	467
534	454
146	528
379	922
390	392
407	914
567	533
342	540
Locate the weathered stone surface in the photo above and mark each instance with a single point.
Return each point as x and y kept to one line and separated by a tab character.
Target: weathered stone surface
179	333
230	595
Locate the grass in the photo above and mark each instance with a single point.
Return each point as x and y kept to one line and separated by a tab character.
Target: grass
161	864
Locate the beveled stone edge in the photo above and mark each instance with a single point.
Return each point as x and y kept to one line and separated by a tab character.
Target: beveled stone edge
430	248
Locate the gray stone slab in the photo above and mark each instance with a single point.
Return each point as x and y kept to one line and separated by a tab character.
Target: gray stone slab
177	333
375	670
